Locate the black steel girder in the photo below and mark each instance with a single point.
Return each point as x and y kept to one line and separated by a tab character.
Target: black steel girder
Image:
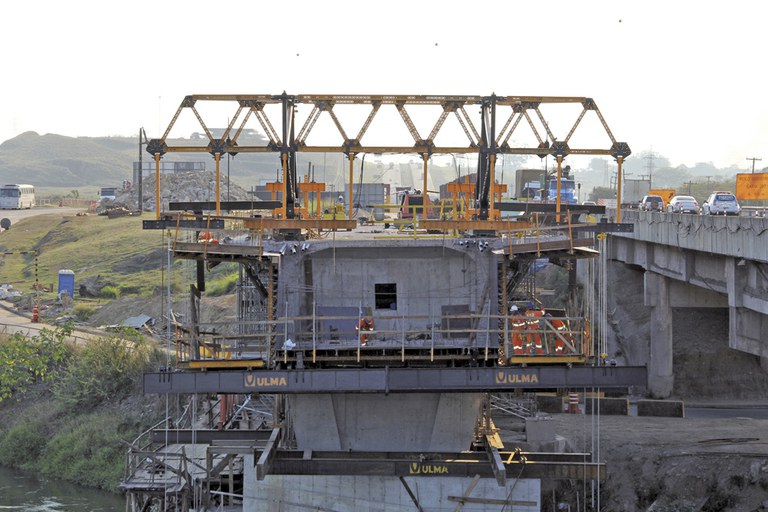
467	464
395	380
196	206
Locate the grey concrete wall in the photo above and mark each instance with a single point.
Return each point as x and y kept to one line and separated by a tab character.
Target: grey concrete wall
429	275
373	422
378	494
609	406
668	408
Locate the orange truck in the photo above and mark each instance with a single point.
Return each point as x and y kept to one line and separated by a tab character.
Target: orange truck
665	193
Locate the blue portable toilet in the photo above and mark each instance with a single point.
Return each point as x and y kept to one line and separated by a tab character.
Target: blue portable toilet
67	282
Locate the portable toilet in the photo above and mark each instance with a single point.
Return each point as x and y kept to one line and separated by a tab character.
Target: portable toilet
66	282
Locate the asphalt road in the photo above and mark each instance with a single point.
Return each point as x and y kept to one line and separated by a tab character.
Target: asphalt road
16	215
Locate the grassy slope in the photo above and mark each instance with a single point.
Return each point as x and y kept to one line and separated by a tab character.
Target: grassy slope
118	250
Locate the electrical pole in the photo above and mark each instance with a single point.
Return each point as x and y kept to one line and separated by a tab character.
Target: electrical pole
753	162
139	179
651	155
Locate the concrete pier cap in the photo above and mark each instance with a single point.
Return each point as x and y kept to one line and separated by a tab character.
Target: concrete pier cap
376	422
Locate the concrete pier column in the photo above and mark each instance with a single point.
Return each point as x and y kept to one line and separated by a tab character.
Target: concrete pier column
660	376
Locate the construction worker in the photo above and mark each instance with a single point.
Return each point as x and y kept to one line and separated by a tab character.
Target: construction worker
518	326
205	237
364	327
560	330
533	337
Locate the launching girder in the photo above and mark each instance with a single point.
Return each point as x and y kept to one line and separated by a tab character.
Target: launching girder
395	380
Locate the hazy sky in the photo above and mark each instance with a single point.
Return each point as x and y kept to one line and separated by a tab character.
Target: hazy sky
682	78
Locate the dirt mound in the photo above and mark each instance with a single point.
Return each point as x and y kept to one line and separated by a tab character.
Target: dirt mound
215	309
675	464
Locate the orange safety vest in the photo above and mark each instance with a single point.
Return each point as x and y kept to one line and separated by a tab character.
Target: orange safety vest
534	338
559	326
205	237
362	326
518	326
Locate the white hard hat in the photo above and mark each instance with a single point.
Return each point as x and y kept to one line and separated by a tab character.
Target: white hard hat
513	309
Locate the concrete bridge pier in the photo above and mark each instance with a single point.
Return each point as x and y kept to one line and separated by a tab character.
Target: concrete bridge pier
660	376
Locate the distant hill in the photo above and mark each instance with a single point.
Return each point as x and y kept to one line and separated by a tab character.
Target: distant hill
57	161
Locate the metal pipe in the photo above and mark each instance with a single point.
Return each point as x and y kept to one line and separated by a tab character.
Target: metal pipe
351	180
157	186
619	159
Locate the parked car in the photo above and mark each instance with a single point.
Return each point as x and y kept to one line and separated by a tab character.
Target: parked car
683	204
589	203
652	203
721	203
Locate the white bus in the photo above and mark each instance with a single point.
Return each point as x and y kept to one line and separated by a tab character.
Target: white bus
16	197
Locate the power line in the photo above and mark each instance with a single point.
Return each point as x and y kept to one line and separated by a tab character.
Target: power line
753	162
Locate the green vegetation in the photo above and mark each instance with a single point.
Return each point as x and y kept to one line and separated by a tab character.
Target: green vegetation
82	312
25	361
106	369
75	427
222	285
89	450
110	292
118	250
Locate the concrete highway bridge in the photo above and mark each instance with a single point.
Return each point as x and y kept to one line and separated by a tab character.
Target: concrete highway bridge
696	261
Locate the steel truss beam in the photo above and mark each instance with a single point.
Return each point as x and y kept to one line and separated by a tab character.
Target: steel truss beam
395	380
520	108
487	144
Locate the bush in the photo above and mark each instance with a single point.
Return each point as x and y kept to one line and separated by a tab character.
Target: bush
27	360
107	368
83	311
89	451
22	444
221	286
109	292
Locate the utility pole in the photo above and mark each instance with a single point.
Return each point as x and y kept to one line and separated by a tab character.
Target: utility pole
651	155
140	178
753	162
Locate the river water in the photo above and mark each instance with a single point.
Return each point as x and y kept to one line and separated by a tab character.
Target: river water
29	493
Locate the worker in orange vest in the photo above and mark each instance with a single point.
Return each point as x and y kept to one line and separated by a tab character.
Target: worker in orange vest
560	328
364	327
534	337
205	237
518	326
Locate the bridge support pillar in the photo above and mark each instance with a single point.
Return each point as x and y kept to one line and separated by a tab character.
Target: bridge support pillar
660	376
430	422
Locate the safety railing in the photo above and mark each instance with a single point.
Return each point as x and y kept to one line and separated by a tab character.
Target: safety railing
537	336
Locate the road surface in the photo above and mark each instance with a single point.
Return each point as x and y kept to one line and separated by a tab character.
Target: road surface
16	215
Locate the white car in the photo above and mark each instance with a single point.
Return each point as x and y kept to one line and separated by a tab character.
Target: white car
683	204
721	203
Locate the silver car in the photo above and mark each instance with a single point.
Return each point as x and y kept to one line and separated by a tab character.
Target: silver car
683	204
721	203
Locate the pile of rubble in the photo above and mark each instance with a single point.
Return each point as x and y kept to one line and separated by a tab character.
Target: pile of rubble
177	187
